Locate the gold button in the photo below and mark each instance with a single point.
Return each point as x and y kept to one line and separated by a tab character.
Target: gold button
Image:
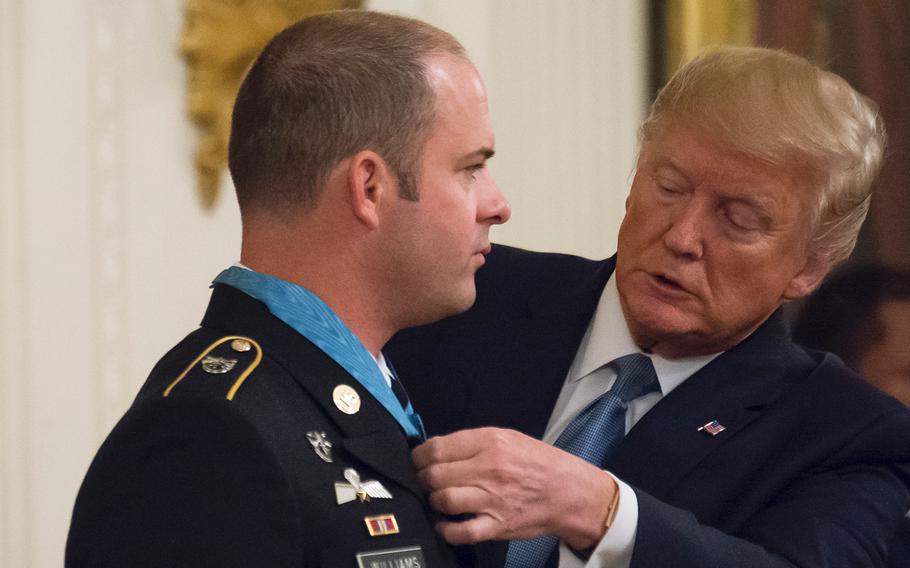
241	345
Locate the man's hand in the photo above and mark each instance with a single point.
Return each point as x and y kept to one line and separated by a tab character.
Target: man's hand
515	486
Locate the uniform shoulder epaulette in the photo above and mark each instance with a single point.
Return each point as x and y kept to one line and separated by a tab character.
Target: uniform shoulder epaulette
232	354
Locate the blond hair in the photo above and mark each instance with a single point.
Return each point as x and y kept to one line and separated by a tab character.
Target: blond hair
785	111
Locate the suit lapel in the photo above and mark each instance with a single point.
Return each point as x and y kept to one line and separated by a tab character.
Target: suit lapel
371	434
520	388
519	385
665	445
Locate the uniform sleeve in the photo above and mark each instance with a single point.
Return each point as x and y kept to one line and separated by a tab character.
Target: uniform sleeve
184	483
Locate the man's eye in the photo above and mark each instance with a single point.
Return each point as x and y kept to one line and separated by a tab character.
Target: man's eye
669	183
742	218
669	190
473	169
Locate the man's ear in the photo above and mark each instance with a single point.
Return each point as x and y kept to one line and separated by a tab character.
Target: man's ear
369	181
809	278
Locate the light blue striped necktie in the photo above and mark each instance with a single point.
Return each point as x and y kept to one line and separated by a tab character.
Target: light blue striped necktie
593	435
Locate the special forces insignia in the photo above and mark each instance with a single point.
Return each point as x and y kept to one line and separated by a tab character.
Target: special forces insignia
217	365
321	445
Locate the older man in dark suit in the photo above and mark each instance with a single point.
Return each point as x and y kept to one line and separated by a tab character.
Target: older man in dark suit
680	426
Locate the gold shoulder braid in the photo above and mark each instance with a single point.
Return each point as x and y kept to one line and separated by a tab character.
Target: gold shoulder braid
221	365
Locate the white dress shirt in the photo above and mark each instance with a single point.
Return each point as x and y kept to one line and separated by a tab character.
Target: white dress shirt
606	339
384	367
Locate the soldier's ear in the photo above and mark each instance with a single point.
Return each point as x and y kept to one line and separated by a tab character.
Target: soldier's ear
369	182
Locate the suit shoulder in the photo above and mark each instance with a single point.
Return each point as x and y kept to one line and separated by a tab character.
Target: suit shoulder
849	398
829	368
516	262
205	364
512	275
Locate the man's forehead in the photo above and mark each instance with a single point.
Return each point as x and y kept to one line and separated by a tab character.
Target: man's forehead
450	73
697	151
462	115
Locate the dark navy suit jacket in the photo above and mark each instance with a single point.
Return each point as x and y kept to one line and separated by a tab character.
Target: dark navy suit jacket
812	469
195	479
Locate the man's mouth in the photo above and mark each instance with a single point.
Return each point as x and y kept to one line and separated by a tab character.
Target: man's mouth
668	283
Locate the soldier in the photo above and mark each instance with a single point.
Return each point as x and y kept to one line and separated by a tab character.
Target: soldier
275	434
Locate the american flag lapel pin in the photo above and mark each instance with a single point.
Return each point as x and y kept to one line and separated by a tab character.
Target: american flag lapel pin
712	428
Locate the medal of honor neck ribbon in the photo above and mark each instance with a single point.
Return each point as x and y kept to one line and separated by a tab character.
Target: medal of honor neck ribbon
313	319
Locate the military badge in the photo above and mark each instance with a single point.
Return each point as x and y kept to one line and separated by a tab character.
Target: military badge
321	445
357	489
217	365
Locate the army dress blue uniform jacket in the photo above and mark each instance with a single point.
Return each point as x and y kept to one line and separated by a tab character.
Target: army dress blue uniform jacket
811	471
196	479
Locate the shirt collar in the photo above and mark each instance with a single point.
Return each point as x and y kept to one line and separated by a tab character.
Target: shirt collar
384	367
608	338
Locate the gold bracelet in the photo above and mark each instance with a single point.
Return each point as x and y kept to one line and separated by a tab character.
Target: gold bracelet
611	510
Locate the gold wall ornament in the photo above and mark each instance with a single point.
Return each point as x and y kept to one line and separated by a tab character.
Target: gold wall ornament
690	26
221	38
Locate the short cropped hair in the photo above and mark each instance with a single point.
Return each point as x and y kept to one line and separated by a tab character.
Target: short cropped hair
785	111
324	89
843	315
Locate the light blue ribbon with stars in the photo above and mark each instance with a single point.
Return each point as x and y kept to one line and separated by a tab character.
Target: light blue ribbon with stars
313	319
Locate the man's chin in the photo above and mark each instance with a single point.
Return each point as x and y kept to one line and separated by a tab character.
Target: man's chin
653	327
445	308
461	304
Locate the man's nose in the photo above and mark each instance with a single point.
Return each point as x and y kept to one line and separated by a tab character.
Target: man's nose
494	207
685	235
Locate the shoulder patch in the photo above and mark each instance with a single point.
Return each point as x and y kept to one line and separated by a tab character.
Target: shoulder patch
215	361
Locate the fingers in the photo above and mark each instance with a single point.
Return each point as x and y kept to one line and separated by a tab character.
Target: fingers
515	486
482	528
478	529
442	475
457	446
458	500
466	444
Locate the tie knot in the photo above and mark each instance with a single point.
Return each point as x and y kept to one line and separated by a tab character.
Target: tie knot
635	376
